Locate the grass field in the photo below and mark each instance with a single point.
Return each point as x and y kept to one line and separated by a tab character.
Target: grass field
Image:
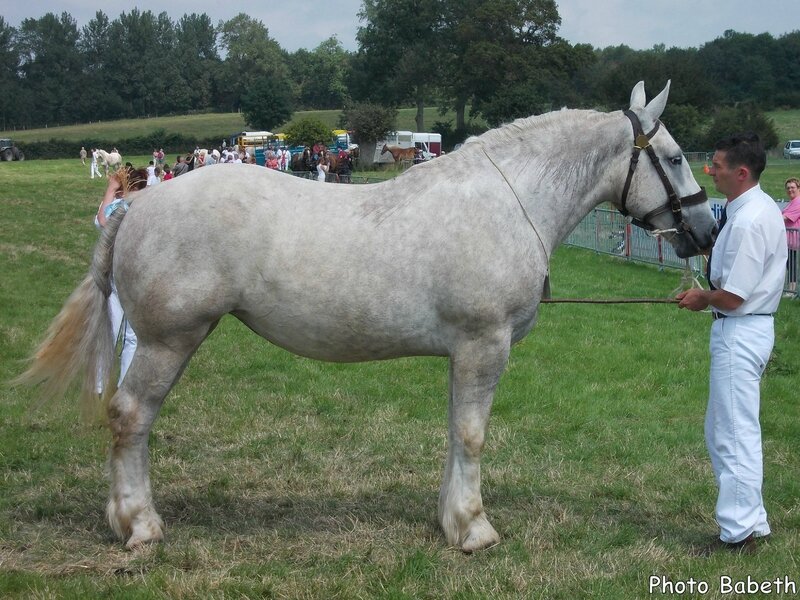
280	477
207	125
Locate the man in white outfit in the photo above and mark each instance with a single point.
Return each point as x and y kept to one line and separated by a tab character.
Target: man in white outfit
94	170
746	273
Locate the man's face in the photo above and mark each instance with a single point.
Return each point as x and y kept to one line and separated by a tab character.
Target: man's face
725	177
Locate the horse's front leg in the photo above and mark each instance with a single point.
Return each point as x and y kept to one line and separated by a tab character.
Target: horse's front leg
475	368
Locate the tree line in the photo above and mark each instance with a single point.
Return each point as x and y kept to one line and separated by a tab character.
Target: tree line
494	59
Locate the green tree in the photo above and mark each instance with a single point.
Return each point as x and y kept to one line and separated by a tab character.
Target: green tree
745	117
398	47
267	104
100	99
135	61
690	83
11	98
687	125
51	67
743	67
787	73
307	131
319	76
369	123
250	55
497	56
197	61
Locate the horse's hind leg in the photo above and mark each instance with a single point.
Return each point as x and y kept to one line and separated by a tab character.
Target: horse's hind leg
131	413
475	369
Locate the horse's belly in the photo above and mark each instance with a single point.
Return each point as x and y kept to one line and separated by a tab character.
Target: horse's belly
346	336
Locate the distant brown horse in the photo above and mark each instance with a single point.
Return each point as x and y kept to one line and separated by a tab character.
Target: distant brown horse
399	153
301	161
305	162
333	162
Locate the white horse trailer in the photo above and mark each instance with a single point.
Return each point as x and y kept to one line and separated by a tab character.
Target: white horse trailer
428	144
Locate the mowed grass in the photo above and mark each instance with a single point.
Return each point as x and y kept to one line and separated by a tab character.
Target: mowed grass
281	477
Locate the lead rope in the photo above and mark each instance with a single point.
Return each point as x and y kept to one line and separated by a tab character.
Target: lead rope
522	206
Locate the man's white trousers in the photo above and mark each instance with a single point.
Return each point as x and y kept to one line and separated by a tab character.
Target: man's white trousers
740	348
128	336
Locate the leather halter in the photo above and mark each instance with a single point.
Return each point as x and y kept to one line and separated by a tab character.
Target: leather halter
674	203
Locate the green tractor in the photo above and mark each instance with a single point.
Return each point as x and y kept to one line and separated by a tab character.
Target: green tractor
9	152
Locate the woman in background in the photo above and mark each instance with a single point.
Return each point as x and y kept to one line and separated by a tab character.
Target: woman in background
791	219
119	184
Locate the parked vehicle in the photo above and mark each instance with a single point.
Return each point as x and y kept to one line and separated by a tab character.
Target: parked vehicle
250	140
792	149
9	152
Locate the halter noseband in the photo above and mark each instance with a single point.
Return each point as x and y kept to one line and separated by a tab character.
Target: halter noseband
674	204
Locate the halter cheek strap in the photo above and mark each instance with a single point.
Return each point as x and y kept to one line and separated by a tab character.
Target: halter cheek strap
674	203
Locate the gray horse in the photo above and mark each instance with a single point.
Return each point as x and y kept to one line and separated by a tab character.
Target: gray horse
448	259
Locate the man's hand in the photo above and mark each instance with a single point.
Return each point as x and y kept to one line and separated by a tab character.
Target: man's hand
694	299
697	299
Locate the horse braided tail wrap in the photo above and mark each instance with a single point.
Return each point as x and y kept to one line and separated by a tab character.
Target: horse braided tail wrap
448	259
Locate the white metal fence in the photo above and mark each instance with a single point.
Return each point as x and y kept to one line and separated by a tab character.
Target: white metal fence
606	231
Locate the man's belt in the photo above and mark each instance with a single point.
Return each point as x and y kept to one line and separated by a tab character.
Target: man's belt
718	315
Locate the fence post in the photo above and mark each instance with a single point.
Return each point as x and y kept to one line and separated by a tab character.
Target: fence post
628	240
596	231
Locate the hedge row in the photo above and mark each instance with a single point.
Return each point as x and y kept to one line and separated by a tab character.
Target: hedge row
172	143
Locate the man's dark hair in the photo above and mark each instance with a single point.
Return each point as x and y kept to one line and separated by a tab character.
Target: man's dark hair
744	149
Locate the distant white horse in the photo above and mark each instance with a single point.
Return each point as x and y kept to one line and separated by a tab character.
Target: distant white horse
448	259
109	159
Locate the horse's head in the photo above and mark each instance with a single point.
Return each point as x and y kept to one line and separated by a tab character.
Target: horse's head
384	149
662	194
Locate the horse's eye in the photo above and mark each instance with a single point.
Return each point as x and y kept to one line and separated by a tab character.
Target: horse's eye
676	160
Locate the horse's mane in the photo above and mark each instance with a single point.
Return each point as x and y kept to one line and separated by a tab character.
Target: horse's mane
572	118
558	145
566	148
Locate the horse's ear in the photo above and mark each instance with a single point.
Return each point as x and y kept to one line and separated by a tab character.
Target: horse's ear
657	104
637	96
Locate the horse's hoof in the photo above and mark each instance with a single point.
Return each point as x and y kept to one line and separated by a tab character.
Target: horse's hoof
144	533
481	535
135	542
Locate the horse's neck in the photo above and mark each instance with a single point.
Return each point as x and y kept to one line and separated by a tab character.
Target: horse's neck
572	163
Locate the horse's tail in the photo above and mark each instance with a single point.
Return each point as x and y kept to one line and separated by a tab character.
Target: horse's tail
79	341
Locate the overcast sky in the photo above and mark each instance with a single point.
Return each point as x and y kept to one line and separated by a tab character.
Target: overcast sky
304	24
